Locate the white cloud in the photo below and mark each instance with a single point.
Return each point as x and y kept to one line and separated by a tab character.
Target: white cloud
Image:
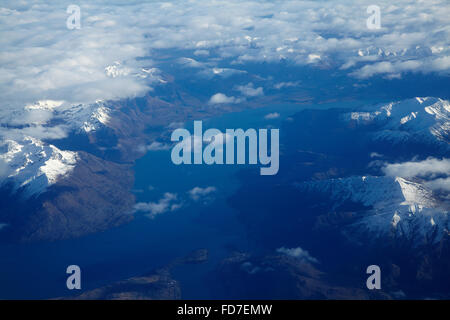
273	115
190	63
35	131
154	146
395	69
41	58
168	203
313	58
428	168
78	66
32	116
119	42
298	253
201	52
210	72
220	98
439	184
289	84
435	172
197	193
250	91
171	201
376	155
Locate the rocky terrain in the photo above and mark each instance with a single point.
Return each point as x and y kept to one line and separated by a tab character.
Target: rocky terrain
156	285
359	187
94	197
279	276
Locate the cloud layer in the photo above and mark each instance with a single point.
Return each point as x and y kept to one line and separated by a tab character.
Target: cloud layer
41	58
122	46
429	168
436	172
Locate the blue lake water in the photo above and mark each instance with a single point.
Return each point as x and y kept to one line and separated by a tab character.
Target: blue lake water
35	271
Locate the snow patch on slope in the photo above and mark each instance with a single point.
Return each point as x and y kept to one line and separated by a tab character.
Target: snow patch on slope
398	121
35	166
44	105
84	117
394	205
26	159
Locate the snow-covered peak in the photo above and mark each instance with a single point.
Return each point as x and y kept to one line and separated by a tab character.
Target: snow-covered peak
397	120
99	117
31	162
117	70
52	115
86	117
371	191
416	52
44	105
34	165
392	202
152	75
415	194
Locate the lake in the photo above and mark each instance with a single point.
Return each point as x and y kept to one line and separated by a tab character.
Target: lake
37	271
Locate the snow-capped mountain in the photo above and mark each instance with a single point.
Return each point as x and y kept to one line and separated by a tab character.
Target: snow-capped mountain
419	51
36	165
50	115
86	118
425	118
394	204
31	162
391	180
